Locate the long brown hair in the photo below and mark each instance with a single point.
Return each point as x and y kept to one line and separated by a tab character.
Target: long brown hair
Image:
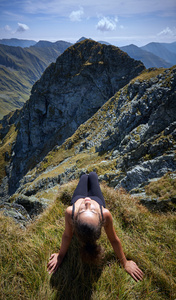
88	234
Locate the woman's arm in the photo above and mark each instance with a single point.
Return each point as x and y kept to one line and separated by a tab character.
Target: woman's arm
129	265
57	258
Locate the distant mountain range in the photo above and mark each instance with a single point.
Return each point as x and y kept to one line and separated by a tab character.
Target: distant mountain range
22	62
163	50
148	58
17	42
20	68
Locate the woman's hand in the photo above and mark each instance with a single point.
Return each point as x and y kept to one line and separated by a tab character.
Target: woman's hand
54	263
132	269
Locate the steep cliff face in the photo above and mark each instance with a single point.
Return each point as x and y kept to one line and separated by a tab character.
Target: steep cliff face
70	91
128	142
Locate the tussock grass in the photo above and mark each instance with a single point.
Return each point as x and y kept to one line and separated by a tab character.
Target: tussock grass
164	188
147	238
5	149
148	74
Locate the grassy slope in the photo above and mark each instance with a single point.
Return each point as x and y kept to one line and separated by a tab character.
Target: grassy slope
148	238
14	90
5	150
19	69
164	188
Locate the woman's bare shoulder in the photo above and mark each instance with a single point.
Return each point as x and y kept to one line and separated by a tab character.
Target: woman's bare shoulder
106	212
68	215
107	216
69	211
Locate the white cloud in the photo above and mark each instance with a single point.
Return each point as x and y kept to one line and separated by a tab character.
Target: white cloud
7	28
22	27
107	24
76	15
167	31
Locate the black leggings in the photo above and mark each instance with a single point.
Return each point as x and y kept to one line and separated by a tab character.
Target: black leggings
88	186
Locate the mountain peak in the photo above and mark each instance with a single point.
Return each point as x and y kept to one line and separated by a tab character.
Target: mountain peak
69	92
81	39
43	43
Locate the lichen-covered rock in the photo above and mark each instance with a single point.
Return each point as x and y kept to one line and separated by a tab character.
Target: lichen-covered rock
140	174
32	205
15	211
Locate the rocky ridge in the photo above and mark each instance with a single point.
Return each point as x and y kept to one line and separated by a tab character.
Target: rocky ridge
129	141
69	92
135	130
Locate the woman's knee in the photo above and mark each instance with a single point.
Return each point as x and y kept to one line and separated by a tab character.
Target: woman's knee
84	176
93	175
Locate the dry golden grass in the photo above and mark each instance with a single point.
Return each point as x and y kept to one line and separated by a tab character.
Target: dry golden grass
147	238
148	74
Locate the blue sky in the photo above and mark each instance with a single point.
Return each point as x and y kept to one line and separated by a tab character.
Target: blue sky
119	22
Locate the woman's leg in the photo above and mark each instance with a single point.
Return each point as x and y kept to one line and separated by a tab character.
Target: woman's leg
94	187
81	189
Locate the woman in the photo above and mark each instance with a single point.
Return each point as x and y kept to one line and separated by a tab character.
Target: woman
86	216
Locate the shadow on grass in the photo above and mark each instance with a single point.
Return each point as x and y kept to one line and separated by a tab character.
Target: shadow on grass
162	206
75	280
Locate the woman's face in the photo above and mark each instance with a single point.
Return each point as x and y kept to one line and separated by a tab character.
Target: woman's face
88	212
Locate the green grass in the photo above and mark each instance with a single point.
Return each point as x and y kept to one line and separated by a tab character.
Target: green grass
20	69
147	238
15	87
5	149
